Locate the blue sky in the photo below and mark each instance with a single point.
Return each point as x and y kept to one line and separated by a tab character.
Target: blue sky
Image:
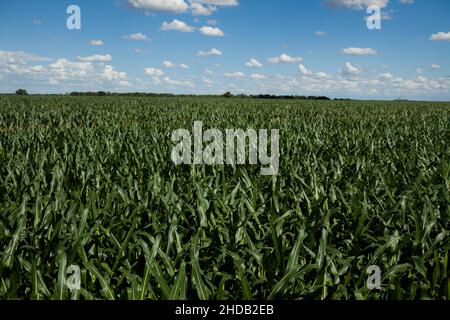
308	47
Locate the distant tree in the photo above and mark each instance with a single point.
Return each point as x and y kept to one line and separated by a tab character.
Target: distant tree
227	94
21	92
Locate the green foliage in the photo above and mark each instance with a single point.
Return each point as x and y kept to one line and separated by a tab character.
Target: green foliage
88	181
21	92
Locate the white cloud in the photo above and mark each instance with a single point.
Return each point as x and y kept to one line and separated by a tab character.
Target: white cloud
156	81
207	71
154	72
212	52
435	66
385	77
19	57
224	3
284	58
198	9
178	83
407	1
64	69
37	21
211	31
322	75
169	64
441	36
350	70
236	75
96	42
359	51
356	4
177	25
303	70
184	66
174	6
208	82
212	22
258	76
136	37
253	63
112	75
320	33
96	58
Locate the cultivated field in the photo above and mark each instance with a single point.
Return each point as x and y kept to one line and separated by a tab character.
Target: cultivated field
88	181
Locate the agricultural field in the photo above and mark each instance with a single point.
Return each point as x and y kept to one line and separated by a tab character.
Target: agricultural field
88	182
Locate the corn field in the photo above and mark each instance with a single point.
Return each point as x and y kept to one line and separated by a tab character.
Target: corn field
88	182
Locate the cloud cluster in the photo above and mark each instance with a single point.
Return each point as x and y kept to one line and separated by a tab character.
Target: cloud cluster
136	37
90	71
196	7
441	36
284	58
356	4
359	51
253	63
177	25
212	52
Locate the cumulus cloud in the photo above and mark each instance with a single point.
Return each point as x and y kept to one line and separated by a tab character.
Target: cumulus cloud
136	37
198	9
96	42
320	33
350	70
19	57
441	36
322	75
304	71
154	72
212	22
385	77
212	52
284	58
97	58
110	74
435	66
258	76
177	25
211	31
355	4
236	75
169	64
208	82
64	69
178	83
174	6
253	63
359	51
224	3
61	71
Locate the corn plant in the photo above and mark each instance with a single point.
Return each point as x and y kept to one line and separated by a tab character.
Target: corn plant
88	181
